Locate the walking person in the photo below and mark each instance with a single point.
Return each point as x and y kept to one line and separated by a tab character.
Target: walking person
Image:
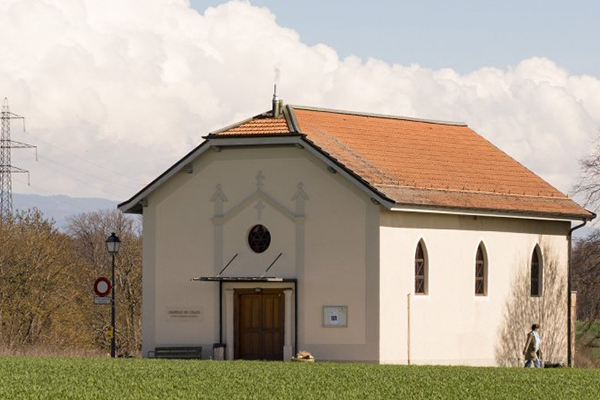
532	347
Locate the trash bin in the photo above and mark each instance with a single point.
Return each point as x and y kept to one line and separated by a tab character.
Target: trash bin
219	351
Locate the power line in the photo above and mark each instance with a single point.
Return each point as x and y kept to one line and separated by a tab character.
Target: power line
68	171
6	169
85	173
102	167
86	183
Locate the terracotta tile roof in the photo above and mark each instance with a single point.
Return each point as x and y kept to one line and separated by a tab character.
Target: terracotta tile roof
263	124
417	162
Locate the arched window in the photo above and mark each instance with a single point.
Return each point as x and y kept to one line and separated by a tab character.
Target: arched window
420	270
536	272
480	272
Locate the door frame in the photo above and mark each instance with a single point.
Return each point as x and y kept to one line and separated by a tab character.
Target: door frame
236	314
227	309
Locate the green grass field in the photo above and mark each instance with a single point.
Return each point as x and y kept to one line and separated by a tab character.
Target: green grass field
79	378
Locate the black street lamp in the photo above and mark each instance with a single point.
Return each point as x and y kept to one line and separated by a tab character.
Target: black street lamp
112	244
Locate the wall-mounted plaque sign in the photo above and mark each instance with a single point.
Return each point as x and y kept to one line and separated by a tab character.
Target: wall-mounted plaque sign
182	314
335	316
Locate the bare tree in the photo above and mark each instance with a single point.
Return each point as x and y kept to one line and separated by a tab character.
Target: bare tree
89	232
46	279
37	285
586	281
588	184
586	277
586	251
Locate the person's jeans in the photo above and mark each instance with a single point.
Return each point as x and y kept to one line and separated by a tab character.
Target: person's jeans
535	362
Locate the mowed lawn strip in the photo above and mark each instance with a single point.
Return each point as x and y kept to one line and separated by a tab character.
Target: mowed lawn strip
79	378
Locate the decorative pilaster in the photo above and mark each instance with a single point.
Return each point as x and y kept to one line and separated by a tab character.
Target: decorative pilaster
218	198
229	323
300	197
287	327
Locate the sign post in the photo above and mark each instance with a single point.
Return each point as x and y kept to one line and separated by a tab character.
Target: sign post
112	244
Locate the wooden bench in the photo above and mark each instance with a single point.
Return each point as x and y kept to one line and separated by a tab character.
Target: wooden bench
177	352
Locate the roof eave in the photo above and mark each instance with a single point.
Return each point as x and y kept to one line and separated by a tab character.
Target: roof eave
491	212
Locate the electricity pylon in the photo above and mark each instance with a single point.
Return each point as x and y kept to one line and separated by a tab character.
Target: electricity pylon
6	167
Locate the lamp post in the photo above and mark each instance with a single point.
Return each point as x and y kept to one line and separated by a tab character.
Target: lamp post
112	244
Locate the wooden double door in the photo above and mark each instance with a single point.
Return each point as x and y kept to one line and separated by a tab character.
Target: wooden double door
258	326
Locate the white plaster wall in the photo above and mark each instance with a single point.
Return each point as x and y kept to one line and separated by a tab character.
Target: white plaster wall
451	325
333	251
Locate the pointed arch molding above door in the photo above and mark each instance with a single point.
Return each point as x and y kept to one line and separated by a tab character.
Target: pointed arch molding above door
259	196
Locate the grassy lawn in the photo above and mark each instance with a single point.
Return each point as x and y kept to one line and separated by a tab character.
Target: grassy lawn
79	378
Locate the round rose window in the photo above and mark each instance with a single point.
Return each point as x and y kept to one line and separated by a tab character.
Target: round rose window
259	238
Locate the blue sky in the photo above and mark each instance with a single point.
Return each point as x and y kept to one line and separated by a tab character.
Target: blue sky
462	34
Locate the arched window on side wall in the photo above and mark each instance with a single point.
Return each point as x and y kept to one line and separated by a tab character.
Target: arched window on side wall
421	273
480	272
536	272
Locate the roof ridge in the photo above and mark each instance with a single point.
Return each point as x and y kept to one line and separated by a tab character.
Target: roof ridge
563	197
387	116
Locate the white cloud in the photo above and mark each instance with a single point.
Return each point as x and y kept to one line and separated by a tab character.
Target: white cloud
130	86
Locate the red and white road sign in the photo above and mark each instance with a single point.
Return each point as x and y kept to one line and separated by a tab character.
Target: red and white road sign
102	287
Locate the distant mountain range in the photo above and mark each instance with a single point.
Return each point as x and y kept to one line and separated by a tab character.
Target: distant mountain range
60	207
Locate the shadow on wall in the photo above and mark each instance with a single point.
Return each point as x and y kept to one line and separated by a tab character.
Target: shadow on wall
522	310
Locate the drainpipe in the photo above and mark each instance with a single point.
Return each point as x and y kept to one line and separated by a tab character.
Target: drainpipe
220	312
570	333
408	328
295	317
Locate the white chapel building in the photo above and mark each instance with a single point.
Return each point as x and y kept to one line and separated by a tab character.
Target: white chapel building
356	237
